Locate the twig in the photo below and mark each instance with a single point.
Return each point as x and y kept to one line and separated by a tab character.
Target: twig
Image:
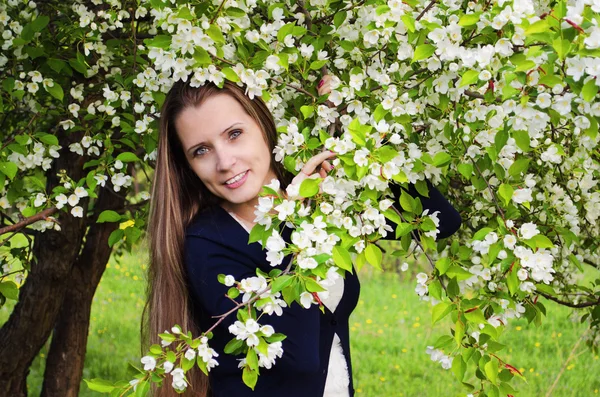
299	89
569	304
307	17
326	18
28	221
8	238
8	142
217	13
415	237
134	27
426	9
562	369
487	184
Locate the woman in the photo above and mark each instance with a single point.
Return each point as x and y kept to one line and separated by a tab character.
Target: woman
214	155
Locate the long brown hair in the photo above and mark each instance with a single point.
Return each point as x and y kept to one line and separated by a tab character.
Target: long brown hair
177	197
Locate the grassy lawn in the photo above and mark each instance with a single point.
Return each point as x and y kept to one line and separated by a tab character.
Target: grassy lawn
390	330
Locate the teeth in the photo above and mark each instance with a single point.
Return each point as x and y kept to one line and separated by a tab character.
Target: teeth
235	178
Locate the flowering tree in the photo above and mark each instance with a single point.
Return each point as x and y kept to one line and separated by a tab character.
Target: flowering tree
494	102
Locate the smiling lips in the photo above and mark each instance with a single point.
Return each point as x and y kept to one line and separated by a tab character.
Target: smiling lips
237	180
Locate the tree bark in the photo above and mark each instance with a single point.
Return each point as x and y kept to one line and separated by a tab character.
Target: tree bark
40	298
65	362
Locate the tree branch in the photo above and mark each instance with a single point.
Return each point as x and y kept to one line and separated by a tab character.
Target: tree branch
426	9
28	221
307	17
569	304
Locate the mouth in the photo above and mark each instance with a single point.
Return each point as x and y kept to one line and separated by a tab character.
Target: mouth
236	178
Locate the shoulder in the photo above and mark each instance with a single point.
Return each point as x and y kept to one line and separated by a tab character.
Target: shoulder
205	222
214	230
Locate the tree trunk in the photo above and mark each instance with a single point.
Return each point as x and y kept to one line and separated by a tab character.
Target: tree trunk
34	316
64	365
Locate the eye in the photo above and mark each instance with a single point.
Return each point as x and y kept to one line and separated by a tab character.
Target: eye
234	134
200	151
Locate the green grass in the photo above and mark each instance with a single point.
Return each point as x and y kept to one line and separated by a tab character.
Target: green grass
390	330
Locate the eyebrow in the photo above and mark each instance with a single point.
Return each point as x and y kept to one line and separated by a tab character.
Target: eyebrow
193	147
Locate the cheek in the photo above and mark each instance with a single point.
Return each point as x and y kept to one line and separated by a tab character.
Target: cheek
202	172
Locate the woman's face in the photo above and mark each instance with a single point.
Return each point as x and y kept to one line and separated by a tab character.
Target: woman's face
226	149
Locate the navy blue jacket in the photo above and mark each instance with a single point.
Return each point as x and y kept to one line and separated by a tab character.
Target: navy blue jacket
217	244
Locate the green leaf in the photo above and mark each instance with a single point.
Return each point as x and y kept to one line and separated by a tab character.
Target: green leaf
409	22
9	169
309	187
257	233
56	91
235	12
233	345
589	90
39	23
459	367
469	77
540	26
233	292
230	74
249	377
312	286
115	237
78	66
443	264
422	188
342	258
522	139
491	371
108	216
215	33
185	13
459	332
49	139
281	282
562	47
202	56
252	359
128	157
481	233
505	191
423	51
142	389
476	316
316	65
540	241
465	169
500	139
407	202
9	289
550	80
155	349
441	159
403	229
159	41
512	282
373	255
307	111
468	20
132	234
357	132
519	166
99	385
379	114
440	310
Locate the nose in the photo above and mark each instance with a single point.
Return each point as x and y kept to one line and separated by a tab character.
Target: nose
226	159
